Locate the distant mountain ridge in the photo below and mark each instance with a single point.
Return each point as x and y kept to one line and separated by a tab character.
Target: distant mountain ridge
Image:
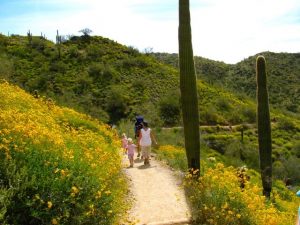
283	70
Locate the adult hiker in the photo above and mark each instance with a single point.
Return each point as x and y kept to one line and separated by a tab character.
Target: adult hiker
137	127
146	137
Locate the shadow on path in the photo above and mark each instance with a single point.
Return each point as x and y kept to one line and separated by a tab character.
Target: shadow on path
142	167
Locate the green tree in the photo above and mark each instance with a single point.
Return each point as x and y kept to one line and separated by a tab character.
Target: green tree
117	103
86	31
190	113
264	126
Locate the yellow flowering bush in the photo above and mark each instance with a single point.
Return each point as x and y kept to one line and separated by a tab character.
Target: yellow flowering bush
57	166
218	197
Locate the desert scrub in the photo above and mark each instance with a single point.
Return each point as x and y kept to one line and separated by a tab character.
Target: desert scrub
56	166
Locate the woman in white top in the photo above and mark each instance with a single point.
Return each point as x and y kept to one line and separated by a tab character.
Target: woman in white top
145	140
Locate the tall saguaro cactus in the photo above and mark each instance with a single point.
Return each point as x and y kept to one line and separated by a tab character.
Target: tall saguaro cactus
29	37
58	43
264	126
188	87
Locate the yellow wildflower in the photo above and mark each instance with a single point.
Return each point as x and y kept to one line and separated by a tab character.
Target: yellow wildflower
108	192
225	206
54	221
74	190
63	173
49	203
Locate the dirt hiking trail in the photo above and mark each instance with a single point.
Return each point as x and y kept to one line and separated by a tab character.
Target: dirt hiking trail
158	196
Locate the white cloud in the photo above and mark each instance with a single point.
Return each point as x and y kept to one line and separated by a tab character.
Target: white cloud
232	30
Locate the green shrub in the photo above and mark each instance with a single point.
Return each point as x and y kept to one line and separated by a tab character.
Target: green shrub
174	156
218	142
238	154
38	44
210	116
292	166
17	188
235	117
286	124
117	103
296	149
223	104
279	170
169	110
249	114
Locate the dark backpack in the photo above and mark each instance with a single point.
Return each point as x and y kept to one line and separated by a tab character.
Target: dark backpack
138	125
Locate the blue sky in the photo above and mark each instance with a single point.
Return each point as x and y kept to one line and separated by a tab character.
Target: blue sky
222	30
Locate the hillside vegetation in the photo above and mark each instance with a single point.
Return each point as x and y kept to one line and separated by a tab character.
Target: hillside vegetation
112	82
283	70
92	74
56	166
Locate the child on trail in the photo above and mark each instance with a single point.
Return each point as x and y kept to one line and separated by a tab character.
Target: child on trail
145	141
130	151
124	142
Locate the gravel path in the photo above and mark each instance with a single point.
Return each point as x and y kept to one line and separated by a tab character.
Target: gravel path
157	193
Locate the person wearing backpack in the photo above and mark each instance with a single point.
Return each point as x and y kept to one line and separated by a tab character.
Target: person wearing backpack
137	127
145	141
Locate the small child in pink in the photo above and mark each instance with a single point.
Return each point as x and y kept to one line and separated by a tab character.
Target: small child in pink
130	151
124	142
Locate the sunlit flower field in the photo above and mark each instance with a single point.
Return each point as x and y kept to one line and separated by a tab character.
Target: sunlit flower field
217	197
56	166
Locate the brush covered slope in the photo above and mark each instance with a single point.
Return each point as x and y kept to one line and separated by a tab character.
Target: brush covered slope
111	82
94	75
57	166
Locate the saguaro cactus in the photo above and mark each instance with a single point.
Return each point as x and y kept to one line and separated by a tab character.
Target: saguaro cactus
29	37
190	113
264	126
58	43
